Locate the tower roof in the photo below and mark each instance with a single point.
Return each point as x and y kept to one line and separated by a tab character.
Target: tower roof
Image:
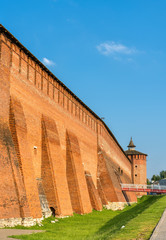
131	144
131	149
134	152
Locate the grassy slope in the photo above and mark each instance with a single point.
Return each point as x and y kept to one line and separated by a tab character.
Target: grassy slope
139	221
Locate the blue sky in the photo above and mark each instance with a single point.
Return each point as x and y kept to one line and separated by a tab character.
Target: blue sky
111	54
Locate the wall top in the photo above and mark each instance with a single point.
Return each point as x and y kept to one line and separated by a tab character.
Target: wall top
30	55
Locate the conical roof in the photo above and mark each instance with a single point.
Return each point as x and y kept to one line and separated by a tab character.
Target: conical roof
131	144
131	149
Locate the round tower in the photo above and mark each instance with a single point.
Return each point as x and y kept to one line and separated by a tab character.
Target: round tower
138	160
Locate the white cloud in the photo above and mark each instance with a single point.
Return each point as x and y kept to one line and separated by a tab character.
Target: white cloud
112	48
48	62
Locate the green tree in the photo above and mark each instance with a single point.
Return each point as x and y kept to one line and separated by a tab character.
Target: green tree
148	182
163	174
155	178
159	177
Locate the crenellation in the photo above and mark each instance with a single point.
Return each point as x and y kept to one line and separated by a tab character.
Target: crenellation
15	62
42	79
47	86
5	54
60	98
66	102
23	68
74	109
38	80
31	74
56	94
35	75
51	90
5	39
81	114
44	85
23	55
11	54
16	49
63	96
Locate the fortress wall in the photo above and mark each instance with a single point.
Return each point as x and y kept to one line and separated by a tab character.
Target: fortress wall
40	93
118	166
9	204
13	201
18	124
108	145
52	103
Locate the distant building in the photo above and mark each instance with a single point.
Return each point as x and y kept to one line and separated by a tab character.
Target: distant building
155	182
162	181
138	160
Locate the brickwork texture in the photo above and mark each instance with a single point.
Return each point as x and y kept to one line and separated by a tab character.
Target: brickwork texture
54	150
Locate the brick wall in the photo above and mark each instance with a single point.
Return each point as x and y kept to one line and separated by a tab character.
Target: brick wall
55	137
139	175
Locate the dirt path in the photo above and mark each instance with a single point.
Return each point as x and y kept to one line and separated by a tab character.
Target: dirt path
4	233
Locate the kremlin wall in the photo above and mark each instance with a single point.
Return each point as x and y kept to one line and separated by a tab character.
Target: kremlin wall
56	155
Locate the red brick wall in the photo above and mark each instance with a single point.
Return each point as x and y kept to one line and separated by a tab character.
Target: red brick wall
67	135
109	179
53	162
13	201
75	175
13	197
93	192
24	155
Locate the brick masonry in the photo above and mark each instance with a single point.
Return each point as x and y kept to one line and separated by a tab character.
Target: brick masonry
55	151
139	170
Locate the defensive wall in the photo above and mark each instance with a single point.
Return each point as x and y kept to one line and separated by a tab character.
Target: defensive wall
55	152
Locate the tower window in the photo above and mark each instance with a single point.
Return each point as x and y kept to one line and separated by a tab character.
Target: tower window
135	175
135	166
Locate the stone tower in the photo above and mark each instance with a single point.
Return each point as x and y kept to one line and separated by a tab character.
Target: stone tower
138	160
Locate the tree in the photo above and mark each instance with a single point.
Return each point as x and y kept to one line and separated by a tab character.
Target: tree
159	177
163	174
148	182
155	178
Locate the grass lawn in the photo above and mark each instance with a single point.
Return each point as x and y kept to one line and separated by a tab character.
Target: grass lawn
139	221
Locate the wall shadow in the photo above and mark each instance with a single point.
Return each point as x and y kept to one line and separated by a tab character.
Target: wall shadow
123	218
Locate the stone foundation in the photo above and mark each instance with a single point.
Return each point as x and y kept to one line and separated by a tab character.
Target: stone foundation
116	205
26	222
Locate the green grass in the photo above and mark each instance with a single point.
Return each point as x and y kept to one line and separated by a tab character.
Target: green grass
139	221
